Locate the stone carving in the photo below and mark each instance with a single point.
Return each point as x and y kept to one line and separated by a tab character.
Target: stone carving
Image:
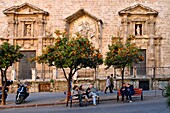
6	32
48	31
86	30
89	31
138	30
28	30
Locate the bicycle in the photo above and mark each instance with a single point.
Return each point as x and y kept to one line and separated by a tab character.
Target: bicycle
164	91
164	94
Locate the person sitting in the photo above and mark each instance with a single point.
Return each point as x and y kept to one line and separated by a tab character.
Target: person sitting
82	93
132	89
123	91
76	95
92	92
129	92
75	92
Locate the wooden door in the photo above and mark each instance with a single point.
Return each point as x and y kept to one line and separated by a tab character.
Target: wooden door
25	66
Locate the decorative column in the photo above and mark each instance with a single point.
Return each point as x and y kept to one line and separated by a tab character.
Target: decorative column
125	26
55	73
40	24
34	74
11	28
13	74
100	35
40	45
158	54
152	43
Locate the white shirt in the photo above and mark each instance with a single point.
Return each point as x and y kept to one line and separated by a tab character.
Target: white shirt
107	82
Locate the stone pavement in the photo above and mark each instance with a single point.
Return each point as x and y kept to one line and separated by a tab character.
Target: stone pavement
58	98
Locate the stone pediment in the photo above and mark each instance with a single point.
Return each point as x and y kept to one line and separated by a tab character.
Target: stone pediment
79	14
25	8
138	9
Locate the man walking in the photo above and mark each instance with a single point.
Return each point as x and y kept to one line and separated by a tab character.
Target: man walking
111	84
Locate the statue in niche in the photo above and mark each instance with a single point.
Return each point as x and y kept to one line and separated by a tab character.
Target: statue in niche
138	30
28	30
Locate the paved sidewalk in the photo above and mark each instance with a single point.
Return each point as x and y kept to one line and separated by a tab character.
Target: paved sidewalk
58	98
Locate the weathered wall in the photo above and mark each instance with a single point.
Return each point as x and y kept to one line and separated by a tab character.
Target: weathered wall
107	11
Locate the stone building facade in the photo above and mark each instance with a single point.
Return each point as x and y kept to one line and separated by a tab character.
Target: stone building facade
31	24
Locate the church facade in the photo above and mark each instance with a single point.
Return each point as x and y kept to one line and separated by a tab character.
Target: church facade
31	24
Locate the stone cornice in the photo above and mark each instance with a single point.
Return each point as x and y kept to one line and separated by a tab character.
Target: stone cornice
138	9
80	13
16	10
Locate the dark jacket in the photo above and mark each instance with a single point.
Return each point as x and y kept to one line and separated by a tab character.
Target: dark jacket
132	90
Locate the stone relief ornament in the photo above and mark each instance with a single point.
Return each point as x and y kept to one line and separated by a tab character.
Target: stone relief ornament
138	30
6	32
89	31
48	31
86	30
28	30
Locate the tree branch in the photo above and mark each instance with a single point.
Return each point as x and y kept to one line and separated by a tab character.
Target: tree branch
64	73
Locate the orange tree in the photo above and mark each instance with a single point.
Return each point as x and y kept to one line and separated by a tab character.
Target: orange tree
70	52
9	54
122	54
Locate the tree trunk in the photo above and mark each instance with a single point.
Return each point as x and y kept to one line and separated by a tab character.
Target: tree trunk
123	75
3	87
3	96
69	88
95	78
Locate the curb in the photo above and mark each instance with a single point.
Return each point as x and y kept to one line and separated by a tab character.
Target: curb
31	105
39	105
46	104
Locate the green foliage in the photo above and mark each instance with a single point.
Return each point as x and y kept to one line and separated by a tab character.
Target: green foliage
9	54
168	95
122	54
73	52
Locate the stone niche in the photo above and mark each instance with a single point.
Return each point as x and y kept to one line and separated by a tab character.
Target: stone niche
140	21
27	27
25	21
88	26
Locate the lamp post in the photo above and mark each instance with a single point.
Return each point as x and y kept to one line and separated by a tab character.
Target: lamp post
154	79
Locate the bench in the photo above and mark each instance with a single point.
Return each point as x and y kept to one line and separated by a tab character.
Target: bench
76	100
138	92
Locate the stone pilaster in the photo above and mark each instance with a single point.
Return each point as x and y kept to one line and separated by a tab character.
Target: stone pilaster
55	73
11	28
125	26
34	74
13	74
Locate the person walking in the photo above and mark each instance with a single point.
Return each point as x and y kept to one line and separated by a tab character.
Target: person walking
107	84
111	84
